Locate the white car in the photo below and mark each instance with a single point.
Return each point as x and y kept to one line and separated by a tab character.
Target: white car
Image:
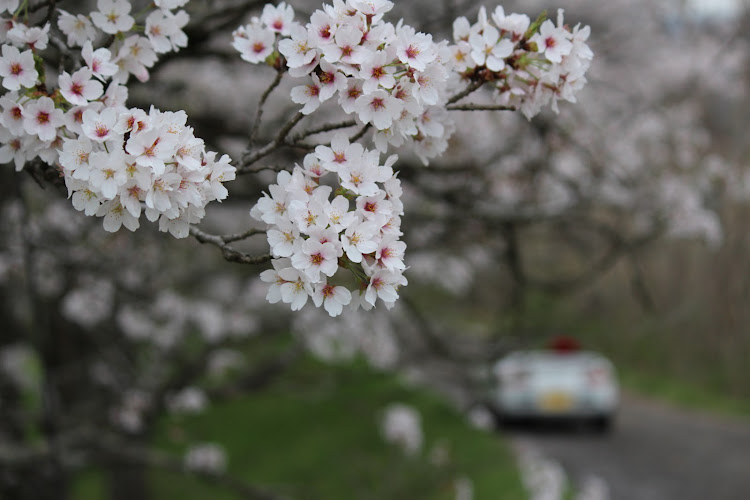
560	384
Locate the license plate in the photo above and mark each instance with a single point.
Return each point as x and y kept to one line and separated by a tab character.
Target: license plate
556	401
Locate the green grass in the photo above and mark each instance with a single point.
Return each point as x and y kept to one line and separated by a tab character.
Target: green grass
314	435
684	394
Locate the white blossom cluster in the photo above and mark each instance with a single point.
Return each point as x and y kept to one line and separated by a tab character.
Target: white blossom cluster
398	80
402	425
530	65
312	236
117	162
390	77
207	458
126	161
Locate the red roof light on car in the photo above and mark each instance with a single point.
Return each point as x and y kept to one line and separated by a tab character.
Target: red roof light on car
564	344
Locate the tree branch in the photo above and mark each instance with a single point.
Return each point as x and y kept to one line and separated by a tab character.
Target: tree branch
468	90
230	254
479	107
250	157
261	104
323	128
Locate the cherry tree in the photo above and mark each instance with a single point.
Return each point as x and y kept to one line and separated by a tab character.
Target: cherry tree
333	223
519	208
341	135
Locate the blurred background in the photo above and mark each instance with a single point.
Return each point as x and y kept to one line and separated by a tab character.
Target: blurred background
138	366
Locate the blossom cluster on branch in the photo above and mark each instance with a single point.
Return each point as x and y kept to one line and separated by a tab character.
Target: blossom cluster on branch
312	236
120	162
399	82
117	162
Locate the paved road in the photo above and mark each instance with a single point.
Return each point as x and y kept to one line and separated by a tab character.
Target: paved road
654	452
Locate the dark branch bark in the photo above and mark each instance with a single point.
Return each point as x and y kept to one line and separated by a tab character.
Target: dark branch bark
229	253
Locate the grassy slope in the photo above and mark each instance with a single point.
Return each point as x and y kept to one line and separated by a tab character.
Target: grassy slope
314	435
684	394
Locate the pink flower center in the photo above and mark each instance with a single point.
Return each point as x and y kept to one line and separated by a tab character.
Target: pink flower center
550	42
377	104
412	52
313	90
278	24
370	207
377	283
151	150
83	157
339	157
16	113
76	88
16	69
259	47
101	130
354	92
42	118
316	259
329	291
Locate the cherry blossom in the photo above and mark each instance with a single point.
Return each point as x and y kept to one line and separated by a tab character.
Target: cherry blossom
308	94
314	258
376	73
279	19
75	157
34	37
17	68
113	16
552	41
41	118
79	88
100	126
254	42
12	113
488	49
379	108
78	28
332	298
98	60
298	50
415	49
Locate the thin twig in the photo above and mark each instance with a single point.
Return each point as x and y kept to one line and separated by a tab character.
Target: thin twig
251	157
359	134
272	168
468	90
230	254
229	238
479	107
261	104
323	128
